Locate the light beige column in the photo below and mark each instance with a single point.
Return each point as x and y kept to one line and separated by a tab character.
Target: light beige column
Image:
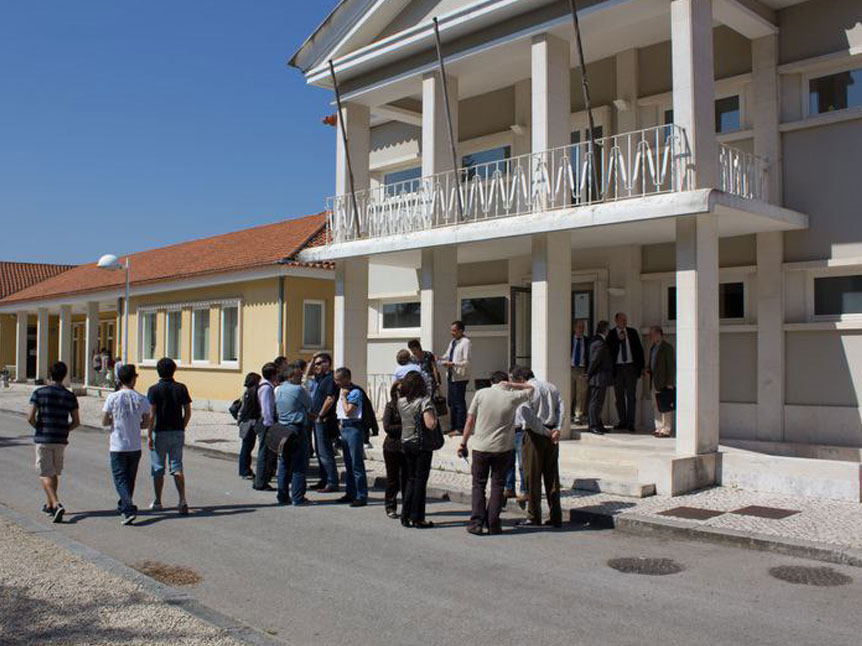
697	335
436	150
91	341
551	313
438	288
357	123
351	317
770	246
43	329
627	90
694	84
22	320
65	338
521	142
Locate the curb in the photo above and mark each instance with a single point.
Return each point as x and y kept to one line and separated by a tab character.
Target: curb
234	628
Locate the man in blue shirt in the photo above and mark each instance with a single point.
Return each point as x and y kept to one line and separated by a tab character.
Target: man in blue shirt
293	410
325	423
349	412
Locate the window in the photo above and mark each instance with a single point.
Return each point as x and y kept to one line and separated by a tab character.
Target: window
401	315
486	162
173	340
728	116
313	331
837	295
835	92
402	181
200	335
492	310
731	301
148	336
230	333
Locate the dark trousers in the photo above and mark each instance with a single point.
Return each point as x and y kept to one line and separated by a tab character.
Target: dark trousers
245	451
418	469
266	459
541	459
396	478
594	409
325	454
457	398
124	467
495	464
292	468
625	390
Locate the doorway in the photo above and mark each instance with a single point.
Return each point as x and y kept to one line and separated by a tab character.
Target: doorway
32	336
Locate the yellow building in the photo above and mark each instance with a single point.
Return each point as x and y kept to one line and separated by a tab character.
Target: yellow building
220	307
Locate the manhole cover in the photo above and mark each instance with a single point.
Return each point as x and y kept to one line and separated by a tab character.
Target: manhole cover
691	513
773	513
644	565
805	575
169	574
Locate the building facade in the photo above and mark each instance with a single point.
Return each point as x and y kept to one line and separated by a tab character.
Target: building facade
220	307
717	200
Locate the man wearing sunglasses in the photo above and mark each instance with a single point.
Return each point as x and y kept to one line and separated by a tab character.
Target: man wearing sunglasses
326	395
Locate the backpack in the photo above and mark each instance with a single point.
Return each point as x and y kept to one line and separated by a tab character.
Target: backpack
369	418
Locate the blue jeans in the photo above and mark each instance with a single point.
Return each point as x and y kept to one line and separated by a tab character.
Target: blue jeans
124	467
353	453
245	452
325	454
519	459
292	466
265	459
457	396
167	450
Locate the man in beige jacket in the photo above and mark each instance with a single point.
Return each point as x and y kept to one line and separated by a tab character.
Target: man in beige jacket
456	360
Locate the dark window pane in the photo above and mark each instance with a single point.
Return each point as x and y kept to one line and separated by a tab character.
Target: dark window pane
484	311
838	295
398	315
495	158
671	303
727	114
402	181
835	92
731	300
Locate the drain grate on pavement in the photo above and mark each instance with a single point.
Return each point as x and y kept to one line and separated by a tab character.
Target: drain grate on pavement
169	574
691	513
645	565
212	440
773	513
806	575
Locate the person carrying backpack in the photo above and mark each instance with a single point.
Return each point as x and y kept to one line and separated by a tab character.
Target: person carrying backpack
247	415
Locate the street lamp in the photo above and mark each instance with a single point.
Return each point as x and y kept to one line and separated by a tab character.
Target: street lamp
112	263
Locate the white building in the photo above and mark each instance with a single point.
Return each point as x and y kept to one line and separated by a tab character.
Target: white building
721	206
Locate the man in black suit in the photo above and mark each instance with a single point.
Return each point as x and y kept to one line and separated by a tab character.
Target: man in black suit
600	373
627	353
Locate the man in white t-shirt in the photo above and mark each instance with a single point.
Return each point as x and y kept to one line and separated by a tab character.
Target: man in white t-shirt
127	412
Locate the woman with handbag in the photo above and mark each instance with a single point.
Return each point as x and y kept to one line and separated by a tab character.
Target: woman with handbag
247	418
393	455
418	422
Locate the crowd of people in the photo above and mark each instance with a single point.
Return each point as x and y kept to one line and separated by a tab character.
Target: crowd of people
295	410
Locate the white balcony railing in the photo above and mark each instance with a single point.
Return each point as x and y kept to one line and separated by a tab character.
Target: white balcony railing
629	165
741	173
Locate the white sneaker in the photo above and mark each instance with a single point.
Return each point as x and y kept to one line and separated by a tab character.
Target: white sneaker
155	506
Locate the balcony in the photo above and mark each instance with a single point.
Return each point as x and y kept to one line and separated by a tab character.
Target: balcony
620	167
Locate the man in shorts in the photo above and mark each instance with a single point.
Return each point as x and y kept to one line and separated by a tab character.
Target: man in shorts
54	414
172	410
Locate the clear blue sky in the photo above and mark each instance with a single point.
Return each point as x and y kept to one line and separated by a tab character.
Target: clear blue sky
129	124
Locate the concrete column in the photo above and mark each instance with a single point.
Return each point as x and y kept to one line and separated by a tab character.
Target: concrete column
21	347
523	118
551	313
65	340
627	90
357	121
551	93
697	334
43	329
436	151
770	246
694	84
91	342
351	317
438	288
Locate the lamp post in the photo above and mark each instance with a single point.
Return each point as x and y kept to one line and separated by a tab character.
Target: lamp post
112	263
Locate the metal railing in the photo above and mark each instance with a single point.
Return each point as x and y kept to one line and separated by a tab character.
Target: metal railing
741	173
377	388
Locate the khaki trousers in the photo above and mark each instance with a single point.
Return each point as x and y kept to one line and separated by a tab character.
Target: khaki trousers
663	421
580	386
541	458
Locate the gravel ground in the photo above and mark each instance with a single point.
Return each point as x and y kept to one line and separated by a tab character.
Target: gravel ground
50	596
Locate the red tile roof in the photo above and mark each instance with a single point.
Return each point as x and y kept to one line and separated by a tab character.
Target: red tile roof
15	276
270	244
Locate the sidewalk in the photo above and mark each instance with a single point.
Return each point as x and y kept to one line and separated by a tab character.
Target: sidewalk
815	528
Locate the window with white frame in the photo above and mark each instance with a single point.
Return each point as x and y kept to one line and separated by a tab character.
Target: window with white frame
400	315
832	92
230	334
728	114
836	296
402	181
479	311
148	336
174	335
313	324
200	335
486	162
731	301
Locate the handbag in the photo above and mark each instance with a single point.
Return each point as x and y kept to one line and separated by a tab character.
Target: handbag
440	405
246	427
430	439
665	400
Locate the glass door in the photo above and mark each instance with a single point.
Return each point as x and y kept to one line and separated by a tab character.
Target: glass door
520	326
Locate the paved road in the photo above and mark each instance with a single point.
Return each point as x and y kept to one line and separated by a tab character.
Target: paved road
332	575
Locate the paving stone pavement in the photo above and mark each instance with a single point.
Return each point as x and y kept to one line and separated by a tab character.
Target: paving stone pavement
823	521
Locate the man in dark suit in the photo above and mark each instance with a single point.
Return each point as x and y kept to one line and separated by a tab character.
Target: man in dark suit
662	372
600	374
628	357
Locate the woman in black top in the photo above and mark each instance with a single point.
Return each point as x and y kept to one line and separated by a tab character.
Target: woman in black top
249	414
393	456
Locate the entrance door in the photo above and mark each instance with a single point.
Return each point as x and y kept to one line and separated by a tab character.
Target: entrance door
31	351
520	326
583	306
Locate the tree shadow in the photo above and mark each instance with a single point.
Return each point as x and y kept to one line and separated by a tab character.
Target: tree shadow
15	440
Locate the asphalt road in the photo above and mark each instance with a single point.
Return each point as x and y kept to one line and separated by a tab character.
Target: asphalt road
328	574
